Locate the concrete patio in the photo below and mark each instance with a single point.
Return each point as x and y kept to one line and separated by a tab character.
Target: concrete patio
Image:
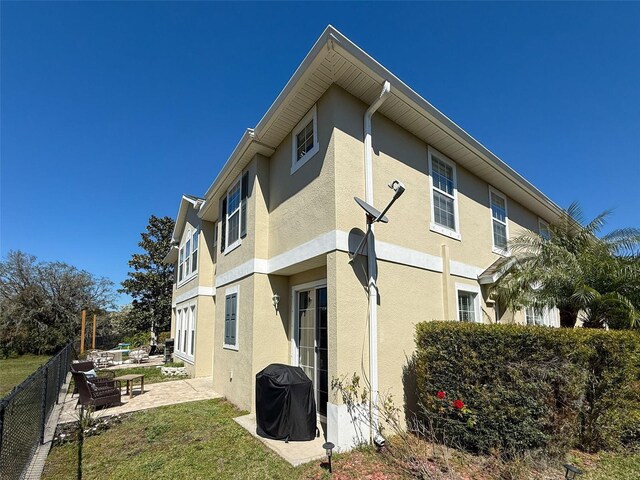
296	453
155	395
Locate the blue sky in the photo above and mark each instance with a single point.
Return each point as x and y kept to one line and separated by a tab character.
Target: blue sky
110	111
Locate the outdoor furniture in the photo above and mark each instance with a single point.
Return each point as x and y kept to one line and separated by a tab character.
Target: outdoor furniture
96	395
139	355
83	367
130	379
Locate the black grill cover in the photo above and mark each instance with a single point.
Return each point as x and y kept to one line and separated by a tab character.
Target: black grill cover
285	404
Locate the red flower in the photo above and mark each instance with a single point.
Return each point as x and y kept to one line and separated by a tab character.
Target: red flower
441	395
459	404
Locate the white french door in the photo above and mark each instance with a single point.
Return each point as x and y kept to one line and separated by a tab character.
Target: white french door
310	339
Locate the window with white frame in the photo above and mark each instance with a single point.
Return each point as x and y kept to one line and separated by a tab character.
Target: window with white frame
541	316
231	318
188	256
467	306
499	221
444	217
543	229
233	216
185	331
304	140
468	302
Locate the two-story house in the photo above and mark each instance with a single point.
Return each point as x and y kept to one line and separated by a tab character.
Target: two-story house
263	267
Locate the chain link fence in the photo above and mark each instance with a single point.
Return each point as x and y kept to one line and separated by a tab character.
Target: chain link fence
24	413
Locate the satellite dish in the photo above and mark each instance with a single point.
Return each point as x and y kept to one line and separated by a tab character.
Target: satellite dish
371	211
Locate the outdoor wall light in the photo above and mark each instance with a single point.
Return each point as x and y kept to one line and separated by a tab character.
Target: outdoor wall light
276	301
572	471
328	446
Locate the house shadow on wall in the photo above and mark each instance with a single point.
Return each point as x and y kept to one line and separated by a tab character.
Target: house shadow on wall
410	388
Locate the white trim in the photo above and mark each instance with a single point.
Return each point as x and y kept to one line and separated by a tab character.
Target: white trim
475	290
296	163
465	270
329	242
230	247
194	292
494	248
230	291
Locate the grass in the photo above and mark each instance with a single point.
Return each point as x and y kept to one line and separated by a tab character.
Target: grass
151	374
200	440
197	440
15	370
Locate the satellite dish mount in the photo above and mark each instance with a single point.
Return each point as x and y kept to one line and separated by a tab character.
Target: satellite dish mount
374	216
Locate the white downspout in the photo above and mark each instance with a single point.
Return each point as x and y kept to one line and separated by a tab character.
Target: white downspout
371	258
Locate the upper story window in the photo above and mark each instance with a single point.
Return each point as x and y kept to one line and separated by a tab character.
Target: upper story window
444	195
234	214
543	229
499	221
188	257
304	140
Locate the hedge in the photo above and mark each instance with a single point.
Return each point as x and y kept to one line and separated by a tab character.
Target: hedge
528	388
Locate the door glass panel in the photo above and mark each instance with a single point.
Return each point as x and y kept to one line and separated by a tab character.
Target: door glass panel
306	332
322	365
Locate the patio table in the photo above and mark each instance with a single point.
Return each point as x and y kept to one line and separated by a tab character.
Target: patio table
130	379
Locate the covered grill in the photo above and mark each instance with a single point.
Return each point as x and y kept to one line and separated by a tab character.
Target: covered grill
285	404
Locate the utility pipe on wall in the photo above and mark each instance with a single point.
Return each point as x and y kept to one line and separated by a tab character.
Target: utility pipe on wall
371	257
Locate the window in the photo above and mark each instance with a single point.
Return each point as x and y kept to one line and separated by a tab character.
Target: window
234	214
188	258
304	140
444	193
534	316
231	319
544	316
499	219
543	229
468	307
185	331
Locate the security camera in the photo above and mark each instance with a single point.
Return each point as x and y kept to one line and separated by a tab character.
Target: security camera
397	187
379	440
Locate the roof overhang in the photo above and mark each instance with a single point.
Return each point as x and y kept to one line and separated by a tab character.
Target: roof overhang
498	268
335	59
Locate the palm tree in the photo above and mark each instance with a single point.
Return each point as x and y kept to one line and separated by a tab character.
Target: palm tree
594	278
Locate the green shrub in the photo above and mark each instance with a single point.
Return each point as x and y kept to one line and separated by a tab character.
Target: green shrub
138	339
529	388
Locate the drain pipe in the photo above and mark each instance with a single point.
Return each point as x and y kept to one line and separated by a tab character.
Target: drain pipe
371	260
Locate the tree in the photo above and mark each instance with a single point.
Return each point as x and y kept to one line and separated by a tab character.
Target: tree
151	281
40	302
587	277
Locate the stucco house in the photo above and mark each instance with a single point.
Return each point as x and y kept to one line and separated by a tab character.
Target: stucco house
263	267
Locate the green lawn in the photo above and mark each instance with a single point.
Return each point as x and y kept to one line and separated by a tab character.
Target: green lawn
200	440
197	440
15	370
151	374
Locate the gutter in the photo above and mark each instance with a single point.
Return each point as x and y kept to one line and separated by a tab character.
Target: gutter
371	259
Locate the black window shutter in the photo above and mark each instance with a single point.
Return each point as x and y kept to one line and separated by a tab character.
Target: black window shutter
244	193
223	224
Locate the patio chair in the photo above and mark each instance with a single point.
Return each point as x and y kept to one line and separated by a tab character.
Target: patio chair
139	355
82	367
95	395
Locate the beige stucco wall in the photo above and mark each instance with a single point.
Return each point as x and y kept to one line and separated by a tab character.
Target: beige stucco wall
302	204
232	368
400	155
